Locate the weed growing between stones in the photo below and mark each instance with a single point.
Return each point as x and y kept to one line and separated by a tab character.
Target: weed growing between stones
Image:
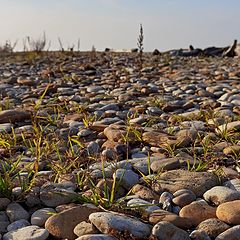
140	45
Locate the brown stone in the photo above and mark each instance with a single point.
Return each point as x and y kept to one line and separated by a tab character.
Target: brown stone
61	225
197	212
162	215
157	139
229	173
98	127
109	144
27	81
198	182
73	117
117	133
213	227
218	147
185	137
229	127
64	207
12	116
229	212
144	192
232	150
165	230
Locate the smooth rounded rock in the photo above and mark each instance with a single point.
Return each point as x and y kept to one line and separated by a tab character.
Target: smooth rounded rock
142	205
166	201
165	196
230	234
232	150
4	203
16	212
84	228
94	89
115	133
142	164
165	230
183	197
213	227
156	139
4	222
127	178
232	126
40	216
12	116
185	137
197	182
221	194
6	127
162	215
165	164
106	221
61	225
234	184
96	237
28	233
17	225
199	235
54	194
144	192
197	212
229	212
93	148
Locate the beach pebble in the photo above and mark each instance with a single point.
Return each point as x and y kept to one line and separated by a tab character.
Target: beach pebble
233	184
4	203
183	197
229	212
165	230
17	225
29	232
54	194
16	212
142	205
198	211
40	216
197	182
4	222
62	225
213	227
14	115
221	194
165	164
232	233
105	221
163	215
127	178
96	237
84	228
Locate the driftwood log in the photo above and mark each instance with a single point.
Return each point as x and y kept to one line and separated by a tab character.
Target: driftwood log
230	51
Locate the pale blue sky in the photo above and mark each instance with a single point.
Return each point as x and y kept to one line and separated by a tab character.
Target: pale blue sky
167	24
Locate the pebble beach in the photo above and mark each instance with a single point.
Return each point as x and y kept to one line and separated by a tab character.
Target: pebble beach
107	146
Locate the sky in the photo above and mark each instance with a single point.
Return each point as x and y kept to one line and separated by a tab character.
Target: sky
167	24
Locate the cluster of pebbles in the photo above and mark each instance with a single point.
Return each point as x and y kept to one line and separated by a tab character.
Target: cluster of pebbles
163	134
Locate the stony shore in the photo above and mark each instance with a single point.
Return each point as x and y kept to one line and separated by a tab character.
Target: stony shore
103	146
